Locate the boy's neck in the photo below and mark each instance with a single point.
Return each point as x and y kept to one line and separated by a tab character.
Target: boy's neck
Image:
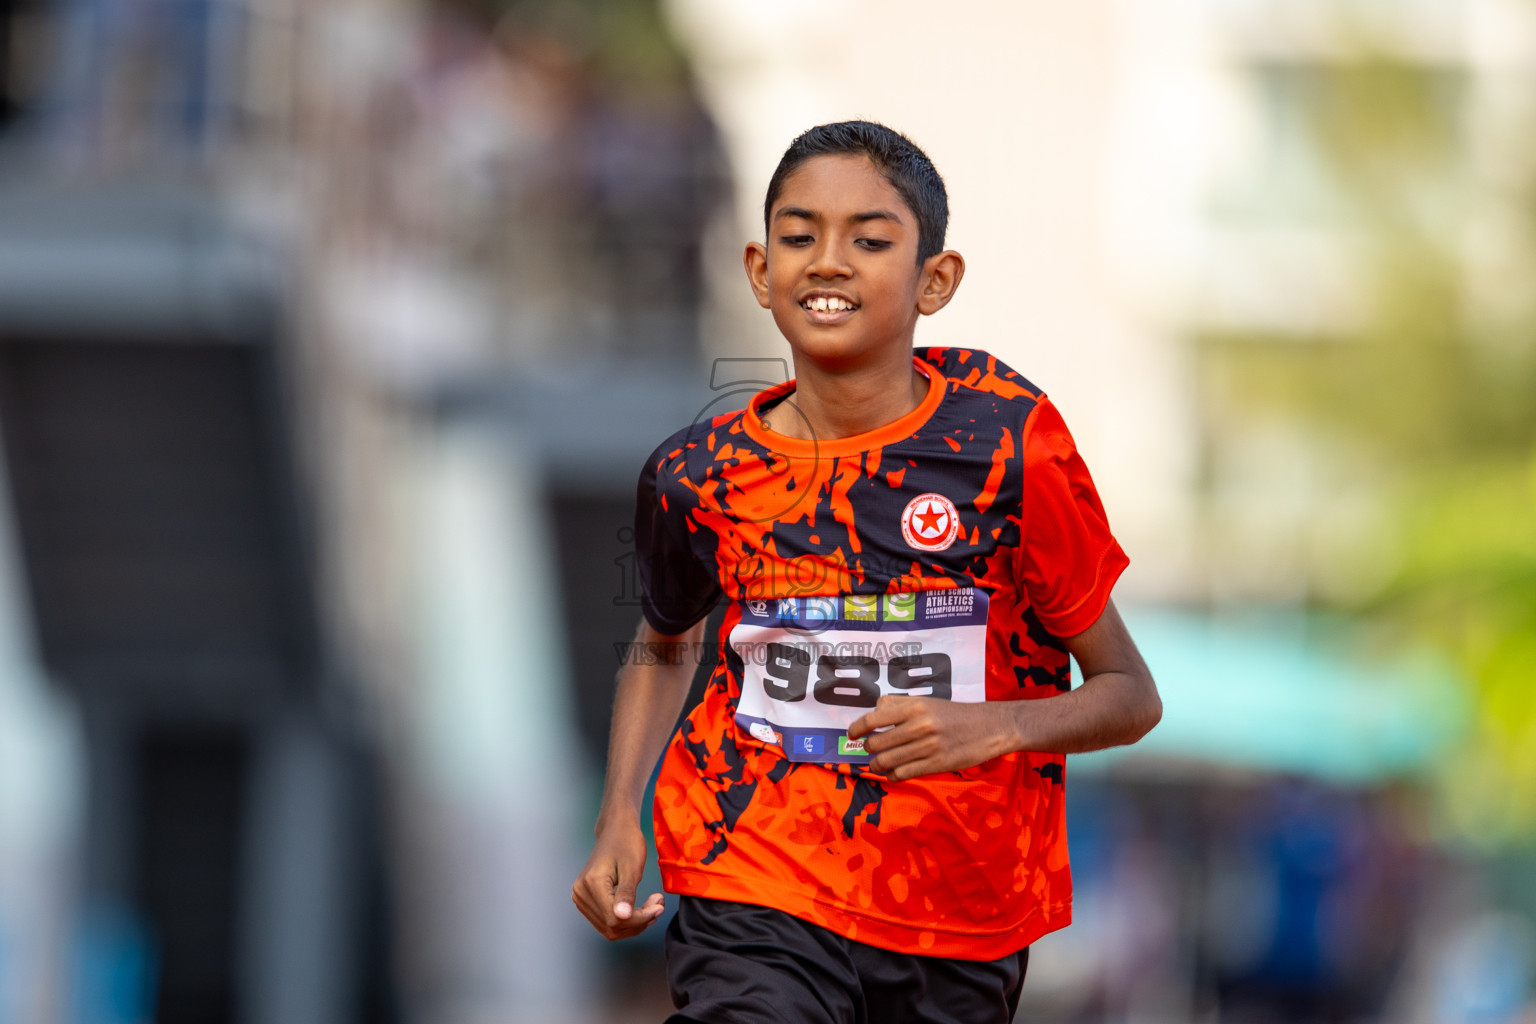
834	404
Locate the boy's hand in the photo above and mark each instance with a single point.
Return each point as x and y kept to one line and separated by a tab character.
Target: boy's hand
1116	704
929	735
605	890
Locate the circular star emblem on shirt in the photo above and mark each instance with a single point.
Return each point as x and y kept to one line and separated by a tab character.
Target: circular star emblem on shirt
930	522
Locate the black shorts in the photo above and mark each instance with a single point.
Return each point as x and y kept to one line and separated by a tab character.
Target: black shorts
734	963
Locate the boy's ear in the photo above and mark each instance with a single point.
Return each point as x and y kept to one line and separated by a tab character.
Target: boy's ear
755	259
938	280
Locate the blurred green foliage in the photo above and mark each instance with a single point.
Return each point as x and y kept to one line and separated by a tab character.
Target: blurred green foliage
624	43
1433	385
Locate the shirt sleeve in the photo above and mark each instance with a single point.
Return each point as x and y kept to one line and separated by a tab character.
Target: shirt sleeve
676	588
1070	560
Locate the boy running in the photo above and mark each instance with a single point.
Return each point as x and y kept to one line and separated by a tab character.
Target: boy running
863	818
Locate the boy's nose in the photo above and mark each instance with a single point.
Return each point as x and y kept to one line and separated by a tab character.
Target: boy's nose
829	261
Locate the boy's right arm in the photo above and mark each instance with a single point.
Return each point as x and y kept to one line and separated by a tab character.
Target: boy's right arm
650	694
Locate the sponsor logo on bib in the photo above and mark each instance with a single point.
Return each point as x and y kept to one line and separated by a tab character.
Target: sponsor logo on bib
820	609
864	607
930	522
765	732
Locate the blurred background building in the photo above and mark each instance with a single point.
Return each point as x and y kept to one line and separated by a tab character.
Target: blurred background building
332	335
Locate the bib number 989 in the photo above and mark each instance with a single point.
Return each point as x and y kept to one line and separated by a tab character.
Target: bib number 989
851	680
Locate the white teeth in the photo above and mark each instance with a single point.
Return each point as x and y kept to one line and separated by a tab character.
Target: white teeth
823	304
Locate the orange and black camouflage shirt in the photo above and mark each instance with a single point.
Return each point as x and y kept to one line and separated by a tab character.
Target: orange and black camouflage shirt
942	555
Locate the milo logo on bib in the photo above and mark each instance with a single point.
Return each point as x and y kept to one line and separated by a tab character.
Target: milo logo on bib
811	666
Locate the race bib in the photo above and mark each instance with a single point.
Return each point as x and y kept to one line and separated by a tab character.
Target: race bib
811	666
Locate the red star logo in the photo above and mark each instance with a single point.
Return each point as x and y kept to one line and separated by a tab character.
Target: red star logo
931	520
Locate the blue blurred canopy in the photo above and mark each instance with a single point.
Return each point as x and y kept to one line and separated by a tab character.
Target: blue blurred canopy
1289	694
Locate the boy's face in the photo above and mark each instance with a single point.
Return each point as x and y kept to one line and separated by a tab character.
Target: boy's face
839	271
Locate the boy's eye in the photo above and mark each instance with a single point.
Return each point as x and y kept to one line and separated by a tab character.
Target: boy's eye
795	239
874	243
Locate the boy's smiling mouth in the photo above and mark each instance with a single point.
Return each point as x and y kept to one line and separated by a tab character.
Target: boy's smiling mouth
826	308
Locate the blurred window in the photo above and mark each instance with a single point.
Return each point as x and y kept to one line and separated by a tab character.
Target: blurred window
22	30
1326	131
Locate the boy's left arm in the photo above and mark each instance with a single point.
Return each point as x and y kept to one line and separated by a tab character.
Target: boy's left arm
1116	704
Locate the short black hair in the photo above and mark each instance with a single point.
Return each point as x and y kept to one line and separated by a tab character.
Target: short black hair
895	156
